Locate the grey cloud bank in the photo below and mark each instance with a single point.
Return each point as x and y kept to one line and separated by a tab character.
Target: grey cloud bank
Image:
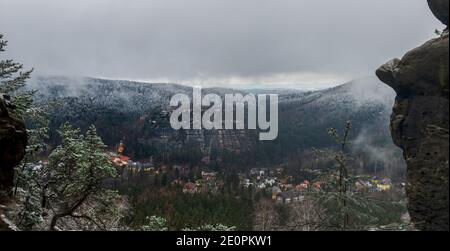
285	43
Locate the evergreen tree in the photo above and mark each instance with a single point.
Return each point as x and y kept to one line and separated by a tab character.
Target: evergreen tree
73	181
345	207
12	83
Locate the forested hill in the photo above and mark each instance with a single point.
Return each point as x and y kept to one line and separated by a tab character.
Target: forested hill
137	113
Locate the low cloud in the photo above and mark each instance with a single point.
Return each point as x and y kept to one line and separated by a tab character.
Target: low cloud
248	42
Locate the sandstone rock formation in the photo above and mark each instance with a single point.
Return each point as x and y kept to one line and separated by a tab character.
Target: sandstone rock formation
420	124
13	139
440	9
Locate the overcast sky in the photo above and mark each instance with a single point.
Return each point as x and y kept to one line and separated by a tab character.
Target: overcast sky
286	43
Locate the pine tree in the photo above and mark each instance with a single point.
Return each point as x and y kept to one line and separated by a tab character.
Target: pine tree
345	208
12	83
70	190
73	182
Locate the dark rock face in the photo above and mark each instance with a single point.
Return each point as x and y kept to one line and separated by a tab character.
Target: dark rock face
13	140
420	124
440	9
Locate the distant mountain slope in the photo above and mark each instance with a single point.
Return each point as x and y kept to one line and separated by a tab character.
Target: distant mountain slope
304	120
137	113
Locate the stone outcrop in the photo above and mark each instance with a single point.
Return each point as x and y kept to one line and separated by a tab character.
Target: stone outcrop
13	140
440	9
420	124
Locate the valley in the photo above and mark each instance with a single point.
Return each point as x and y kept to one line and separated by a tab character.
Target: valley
203	169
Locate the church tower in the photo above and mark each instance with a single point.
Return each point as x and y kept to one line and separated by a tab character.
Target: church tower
121	148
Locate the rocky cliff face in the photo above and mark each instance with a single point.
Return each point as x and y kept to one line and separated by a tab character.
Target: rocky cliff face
440	9
420	124
13	139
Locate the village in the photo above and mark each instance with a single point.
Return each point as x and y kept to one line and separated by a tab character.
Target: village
272	181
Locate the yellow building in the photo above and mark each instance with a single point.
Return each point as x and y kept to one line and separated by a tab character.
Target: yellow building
384	187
